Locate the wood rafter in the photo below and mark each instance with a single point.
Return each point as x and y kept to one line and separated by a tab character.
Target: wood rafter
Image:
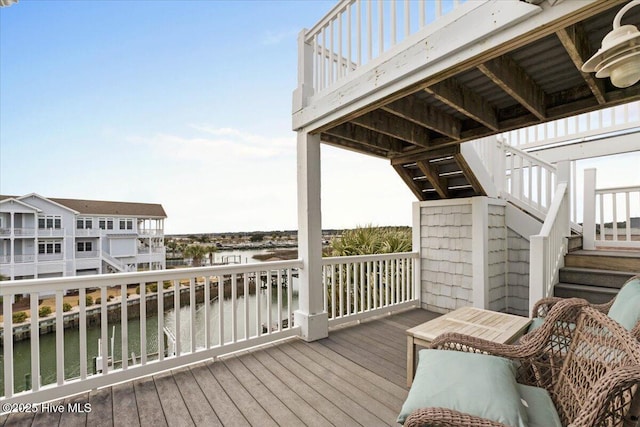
425	155
351	132
468	174
390	125
409	181
421	113
576	44
466	101
438	183
511	78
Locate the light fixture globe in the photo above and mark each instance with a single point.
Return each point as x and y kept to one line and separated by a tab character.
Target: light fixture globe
619	56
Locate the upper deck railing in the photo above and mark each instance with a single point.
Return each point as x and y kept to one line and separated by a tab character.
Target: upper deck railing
355	32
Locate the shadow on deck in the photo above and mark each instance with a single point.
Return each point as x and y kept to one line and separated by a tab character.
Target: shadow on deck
357	376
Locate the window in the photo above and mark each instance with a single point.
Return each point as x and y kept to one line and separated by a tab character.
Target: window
105	223
84	246
50	221
84	223
126	224
50	247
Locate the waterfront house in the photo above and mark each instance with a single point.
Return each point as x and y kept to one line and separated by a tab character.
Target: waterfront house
52	237
482	109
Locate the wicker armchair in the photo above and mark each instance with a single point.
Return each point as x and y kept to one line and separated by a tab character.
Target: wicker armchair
542	308
593	382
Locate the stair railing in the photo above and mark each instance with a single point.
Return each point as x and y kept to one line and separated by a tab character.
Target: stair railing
547	249
611	215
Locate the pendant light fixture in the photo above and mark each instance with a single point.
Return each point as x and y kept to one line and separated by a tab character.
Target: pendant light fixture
619	56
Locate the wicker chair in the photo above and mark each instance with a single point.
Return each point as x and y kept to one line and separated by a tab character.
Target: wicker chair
543	306
593	382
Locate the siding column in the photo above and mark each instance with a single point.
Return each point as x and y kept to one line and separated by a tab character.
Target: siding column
480	253
310	316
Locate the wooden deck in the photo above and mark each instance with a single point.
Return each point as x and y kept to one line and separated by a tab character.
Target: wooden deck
354	377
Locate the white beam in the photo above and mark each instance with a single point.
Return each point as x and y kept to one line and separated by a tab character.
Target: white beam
480	254
310	316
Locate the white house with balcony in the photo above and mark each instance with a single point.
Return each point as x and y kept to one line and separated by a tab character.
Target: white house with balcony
52	237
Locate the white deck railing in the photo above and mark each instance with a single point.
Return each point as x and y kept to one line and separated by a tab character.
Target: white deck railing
547	249
609	215
355	32
357	287
576	128
200	331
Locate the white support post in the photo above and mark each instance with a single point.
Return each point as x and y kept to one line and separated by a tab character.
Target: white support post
564	175
310	316
416	245
305	73
499	171
589	210
480	254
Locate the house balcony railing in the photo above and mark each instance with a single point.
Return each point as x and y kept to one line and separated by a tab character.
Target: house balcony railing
51	232
28	258
87	254
5	231
88	232
151	232
257	302
356	32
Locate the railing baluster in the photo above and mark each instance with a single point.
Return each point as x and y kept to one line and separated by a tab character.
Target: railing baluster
394	37
362	288
289	296
340	70
349	268
349	41
160	314
143	322
221	309
124	332
330	60
602	233
246	305
614	199
59	337
176	310
35	343
380	27
341	295
407	18
192	313
258	305
369	30
104	333
269	298
207	312
359	27
628	216
234	295
279	300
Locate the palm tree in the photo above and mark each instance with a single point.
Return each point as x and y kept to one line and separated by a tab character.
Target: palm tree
196	252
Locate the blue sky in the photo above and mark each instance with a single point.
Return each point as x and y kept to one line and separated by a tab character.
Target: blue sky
184	103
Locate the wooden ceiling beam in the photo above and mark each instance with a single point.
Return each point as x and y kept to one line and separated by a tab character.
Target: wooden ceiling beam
420	155
354	146
576	43
413	186
388	124
511	78
466	101
421	113
351	132
468	174
438	183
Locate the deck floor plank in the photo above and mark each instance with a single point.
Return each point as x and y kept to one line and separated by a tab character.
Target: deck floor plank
280	413
226	411
171	402
74	411
312	396
252	411
374	406
199	408
360	413
101	414
355	377
125	408
44	418
303	410
148	401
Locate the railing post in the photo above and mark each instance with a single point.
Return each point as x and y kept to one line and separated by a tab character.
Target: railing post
416	237
500	172
589	210
305	73
564	175
310	316
537	270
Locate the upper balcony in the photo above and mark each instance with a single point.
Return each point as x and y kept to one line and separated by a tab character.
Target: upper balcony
411	81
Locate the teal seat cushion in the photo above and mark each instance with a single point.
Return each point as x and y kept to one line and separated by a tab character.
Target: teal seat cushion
539	407
536	322
626	308
476	384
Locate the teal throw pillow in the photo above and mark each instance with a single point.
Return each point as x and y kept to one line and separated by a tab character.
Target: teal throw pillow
476	384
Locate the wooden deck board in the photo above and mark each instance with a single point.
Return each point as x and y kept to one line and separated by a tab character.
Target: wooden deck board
355	377
74	411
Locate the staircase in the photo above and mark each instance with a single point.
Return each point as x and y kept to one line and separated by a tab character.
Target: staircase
596	275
